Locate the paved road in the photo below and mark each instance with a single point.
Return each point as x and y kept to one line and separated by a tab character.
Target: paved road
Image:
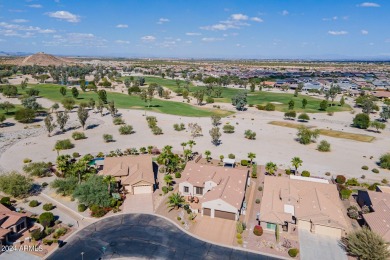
312	246
142	236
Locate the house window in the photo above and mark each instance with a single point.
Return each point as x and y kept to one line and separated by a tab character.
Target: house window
186	189
199	190
271	226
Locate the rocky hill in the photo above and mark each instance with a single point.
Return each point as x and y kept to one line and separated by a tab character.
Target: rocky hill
41	59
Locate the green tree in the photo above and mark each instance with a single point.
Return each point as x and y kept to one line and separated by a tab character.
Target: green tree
251	156
271	168
38	169
31	103
49	124
15	184
63	145
63	164
10	91
2	119
184	144
82	115
323	105
93	192
215	120
306	136
377	125
65	186
215	135
175	201
7	106
361	121
296	162
291	114
239	100
304	117
366	245
342	101
54	107
304	103
168	179
191	143
291	104
63	91
46	219
62	119
75	92
25	115
102	94
384	161
68	103
385	113
207	153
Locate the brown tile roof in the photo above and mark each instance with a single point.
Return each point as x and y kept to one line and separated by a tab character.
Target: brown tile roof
9	217
130	169
4	232
284	198
379	220
230	182
381	94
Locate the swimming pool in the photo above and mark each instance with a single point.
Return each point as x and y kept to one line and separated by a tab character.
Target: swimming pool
93	162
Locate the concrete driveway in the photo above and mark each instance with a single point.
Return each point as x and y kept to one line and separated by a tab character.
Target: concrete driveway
140	236
217	230
313	246
140	203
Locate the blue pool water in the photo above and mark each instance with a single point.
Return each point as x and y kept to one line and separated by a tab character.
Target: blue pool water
93	162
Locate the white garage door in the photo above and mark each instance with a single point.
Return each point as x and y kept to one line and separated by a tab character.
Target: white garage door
328	231
142	189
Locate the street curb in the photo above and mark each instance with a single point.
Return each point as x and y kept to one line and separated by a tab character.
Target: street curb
180	228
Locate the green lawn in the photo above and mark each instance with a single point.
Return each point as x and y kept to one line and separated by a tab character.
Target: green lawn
125	101
11	112
258	97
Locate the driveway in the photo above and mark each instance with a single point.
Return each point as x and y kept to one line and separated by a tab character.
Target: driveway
140	203
314	246
141	236
217	230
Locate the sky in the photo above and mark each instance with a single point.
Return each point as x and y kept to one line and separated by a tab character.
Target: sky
256	29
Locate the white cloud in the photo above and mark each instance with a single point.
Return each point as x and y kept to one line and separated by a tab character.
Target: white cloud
257	19
337	32
18	30
368	4
211	39
148	38
65	15
122	42
47	31
193	34
162	20
19	21
35	6
239	17
121	26
285	12
76	40
364	32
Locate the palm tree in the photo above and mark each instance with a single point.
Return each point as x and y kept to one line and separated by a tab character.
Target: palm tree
207	153
150	148
175	201
221	157
168	179
251	156
271	168
187	153
167	149
184	144
296	162
142	150
109	180
191	143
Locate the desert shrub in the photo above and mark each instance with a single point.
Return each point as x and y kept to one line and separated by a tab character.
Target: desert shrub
361	121
81	207
260	188
48	206
98	212
305	174
47	241
345	193
59	232
33	203
125	130
375	170
239	241
352	182
36	234
209	100
228	129
254	171
177	175
257	201
340	179
384	181
287	171
186	207
240	227
39	169
170	188
78	135
165	189
373	186
6	201
238	236
179	218
269	107
365	167
46	219
27	160
64	144
327	174
323	146
249	134
260	107
290	114
118	121
75	155
108	138
293	252
258	230
179	127
231	156
365	209
384	161
303	117
157	130
353	212
244	162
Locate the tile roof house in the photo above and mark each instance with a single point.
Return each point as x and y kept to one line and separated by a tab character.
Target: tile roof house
135	173
11	222
221	190
306	203
378	220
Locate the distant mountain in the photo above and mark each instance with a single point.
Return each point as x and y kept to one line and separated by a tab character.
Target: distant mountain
41	59
8	54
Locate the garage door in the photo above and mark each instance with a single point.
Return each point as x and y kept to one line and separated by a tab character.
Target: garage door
328	231
142	189
306	225
225	215
206	212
